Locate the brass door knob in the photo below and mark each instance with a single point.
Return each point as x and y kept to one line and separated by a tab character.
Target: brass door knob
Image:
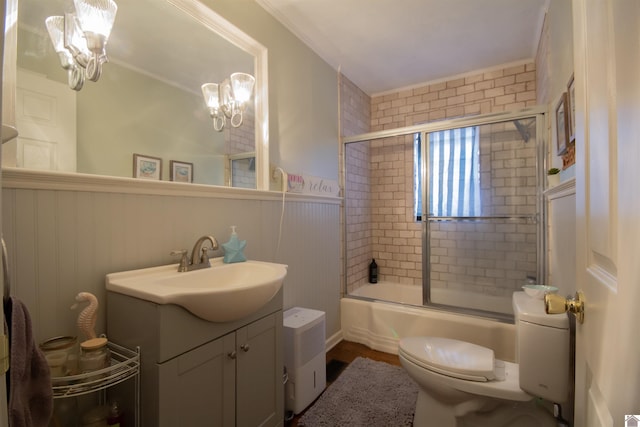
556	304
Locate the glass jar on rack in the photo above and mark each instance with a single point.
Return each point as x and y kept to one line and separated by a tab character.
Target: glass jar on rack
94	355
62	355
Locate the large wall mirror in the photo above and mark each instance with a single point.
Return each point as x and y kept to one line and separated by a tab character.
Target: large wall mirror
147	103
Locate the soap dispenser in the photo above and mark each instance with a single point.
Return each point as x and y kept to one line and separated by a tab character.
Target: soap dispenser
234	248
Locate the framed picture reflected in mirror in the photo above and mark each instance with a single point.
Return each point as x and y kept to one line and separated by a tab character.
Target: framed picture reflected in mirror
147	167
181	171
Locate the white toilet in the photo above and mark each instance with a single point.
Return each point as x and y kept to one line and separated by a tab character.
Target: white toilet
462	384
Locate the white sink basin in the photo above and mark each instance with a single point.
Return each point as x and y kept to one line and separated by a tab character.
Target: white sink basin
222	293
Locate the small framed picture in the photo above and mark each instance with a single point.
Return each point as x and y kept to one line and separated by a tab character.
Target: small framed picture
147	167
181	171
562	127
571	108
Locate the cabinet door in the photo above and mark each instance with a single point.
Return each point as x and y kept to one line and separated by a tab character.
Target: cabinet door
198	387
260	391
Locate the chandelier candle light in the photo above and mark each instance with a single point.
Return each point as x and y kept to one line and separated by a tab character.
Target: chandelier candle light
80	39
229	99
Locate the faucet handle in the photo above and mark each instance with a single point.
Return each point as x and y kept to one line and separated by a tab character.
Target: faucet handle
184	260
204	256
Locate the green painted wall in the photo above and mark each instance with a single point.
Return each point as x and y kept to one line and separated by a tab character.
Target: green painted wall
303	93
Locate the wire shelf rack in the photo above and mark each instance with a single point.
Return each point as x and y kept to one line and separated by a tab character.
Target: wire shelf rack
125	364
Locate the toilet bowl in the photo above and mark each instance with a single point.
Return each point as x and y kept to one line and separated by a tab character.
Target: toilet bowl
463	384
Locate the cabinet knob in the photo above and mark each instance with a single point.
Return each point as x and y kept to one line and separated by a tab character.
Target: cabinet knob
245	347
232	354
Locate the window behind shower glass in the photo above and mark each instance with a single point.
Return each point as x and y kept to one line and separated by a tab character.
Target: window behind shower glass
454	167
481	207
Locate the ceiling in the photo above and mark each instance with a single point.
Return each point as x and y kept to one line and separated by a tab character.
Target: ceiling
384	45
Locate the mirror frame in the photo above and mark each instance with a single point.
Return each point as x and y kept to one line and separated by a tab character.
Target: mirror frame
205	16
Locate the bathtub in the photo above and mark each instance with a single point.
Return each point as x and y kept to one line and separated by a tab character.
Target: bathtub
380	324
411	294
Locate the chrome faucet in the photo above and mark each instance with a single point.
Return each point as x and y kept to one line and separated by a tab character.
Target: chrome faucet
204	258
199	255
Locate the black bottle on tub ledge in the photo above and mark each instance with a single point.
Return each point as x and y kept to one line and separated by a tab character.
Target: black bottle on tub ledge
373	271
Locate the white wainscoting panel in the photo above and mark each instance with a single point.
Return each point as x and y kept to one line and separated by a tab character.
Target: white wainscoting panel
61	242
561	210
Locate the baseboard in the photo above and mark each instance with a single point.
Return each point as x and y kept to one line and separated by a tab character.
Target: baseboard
373	341
333	340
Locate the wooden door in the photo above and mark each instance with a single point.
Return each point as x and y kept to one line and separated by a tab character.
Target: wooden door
607	77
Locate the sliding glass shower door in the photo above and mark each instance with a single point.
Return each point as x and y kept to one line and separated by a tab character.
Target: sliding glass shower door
452	212
482	213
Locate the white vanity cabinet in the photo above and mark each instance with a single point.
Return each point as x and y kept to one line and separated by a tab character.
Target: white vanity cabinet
199	373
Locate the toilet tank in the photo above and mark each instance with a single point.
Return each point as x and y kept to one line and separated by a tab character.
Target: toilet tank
542	349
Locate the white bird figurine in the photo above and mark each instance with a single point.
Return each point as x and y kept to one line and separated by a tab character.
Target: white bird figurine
87	317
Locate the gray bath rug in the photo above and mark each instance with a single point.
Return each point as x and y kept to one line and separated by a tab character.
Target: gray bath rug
368	393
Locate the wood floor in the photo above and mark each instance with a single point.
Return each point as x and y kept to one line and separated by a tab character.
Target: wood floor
346	351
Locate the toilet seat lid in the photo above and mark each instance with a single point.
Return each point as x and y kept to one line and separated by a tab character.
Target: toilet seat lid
458	359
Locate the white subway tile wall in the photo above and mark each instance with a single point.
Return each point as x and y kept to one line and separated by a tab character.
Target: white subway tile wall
355	119
489	257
